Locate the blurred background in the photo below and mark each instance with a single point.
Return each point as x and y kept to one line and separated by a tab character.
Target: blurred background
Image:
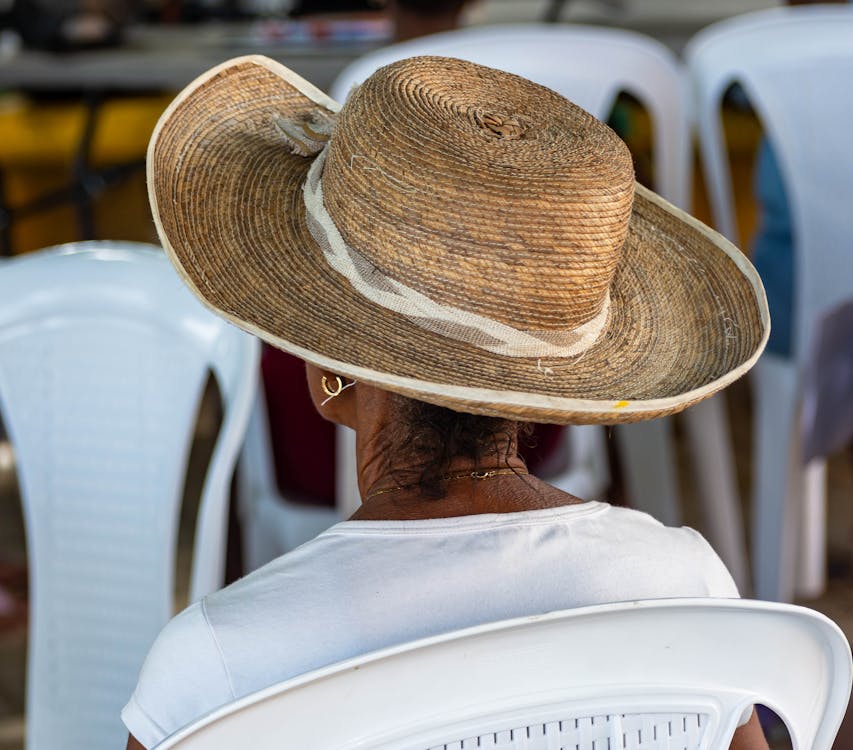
82	84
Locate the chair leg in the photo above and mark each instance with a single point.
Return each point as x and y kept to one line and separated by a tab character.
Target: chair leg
585	469
776	467
811	571
716	483
648	466
348	497
261	539
596	460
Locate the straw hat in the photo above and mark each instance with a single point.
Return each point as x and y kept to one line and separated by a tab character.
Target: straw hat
453	233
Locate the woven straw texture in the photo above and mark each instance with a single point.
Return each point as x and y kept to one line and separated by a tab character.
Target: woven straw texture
481	182
479	189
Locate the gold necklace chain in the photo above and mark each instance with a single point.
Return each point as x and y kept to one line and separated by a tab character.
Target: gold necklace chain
477	474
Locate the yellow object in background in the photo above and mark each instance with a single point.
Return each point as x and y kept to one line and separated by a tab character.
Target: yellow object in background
39	141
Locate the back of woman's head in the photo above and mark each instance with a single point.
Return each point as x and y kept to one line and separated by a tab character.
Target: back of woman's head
433	436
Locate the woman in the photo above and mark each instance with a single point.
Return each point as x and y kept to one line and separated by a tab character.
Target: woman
456	251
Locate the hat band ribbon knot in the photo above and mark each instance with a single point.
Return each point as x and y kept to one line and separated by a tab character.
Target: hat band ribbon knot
446	320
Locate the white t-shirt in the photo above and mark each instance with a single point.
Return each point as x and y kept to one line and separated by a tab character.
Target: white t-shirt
365	585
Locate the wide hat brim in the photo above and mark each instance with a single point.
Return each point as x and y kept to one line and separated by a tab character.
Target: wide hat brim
688	313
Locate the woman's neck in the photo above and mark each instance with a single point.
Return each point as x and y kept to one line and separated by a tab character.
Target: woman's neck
392	486
391	469
499	491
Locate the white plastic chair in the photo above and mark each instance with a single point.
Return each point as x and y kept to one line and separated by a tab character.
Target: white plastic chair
795	65
592	66
103	358
676	673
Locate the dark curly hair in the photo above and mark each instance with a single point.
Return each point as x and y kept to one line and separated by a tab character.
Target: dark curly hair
437	435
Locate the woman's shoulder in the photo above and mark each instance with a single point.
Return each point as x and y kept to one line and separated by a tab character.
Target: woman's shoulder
183	677
680	552
620	515
220	647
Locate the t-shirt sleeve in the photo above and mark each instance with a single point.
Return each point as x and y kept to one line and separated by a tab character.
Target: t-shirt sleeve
716	577
183	678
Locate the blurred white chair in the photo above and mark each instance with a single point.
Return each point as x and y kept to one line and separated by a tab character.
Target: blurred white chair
272	524
103	358
676	673
795	66
592	66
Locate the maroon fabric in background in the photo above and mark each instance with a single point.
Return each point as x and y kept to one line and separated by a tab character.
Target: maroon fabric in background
303	443
542	444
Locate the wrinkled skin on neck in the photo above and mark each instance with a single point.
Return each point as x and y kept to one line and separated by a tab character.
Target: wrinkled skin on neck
388	457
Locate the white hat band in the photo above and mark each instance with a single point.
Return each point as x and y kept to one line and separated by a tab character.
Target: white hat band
445	320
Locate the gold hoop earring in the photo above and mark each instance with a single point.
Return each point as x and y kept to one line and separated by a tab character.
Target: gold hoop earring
339	386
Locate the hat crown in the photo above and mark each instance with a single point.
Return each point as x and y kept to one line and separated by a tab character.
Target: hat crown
481	190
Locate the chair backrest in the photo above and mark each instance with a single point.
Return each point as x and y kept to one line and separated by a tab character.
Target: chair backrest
586	64
795	66
103	358
652	674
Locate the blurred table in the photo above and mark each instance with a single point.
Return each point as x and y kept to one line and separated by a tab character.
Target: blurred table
152	60
162	58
